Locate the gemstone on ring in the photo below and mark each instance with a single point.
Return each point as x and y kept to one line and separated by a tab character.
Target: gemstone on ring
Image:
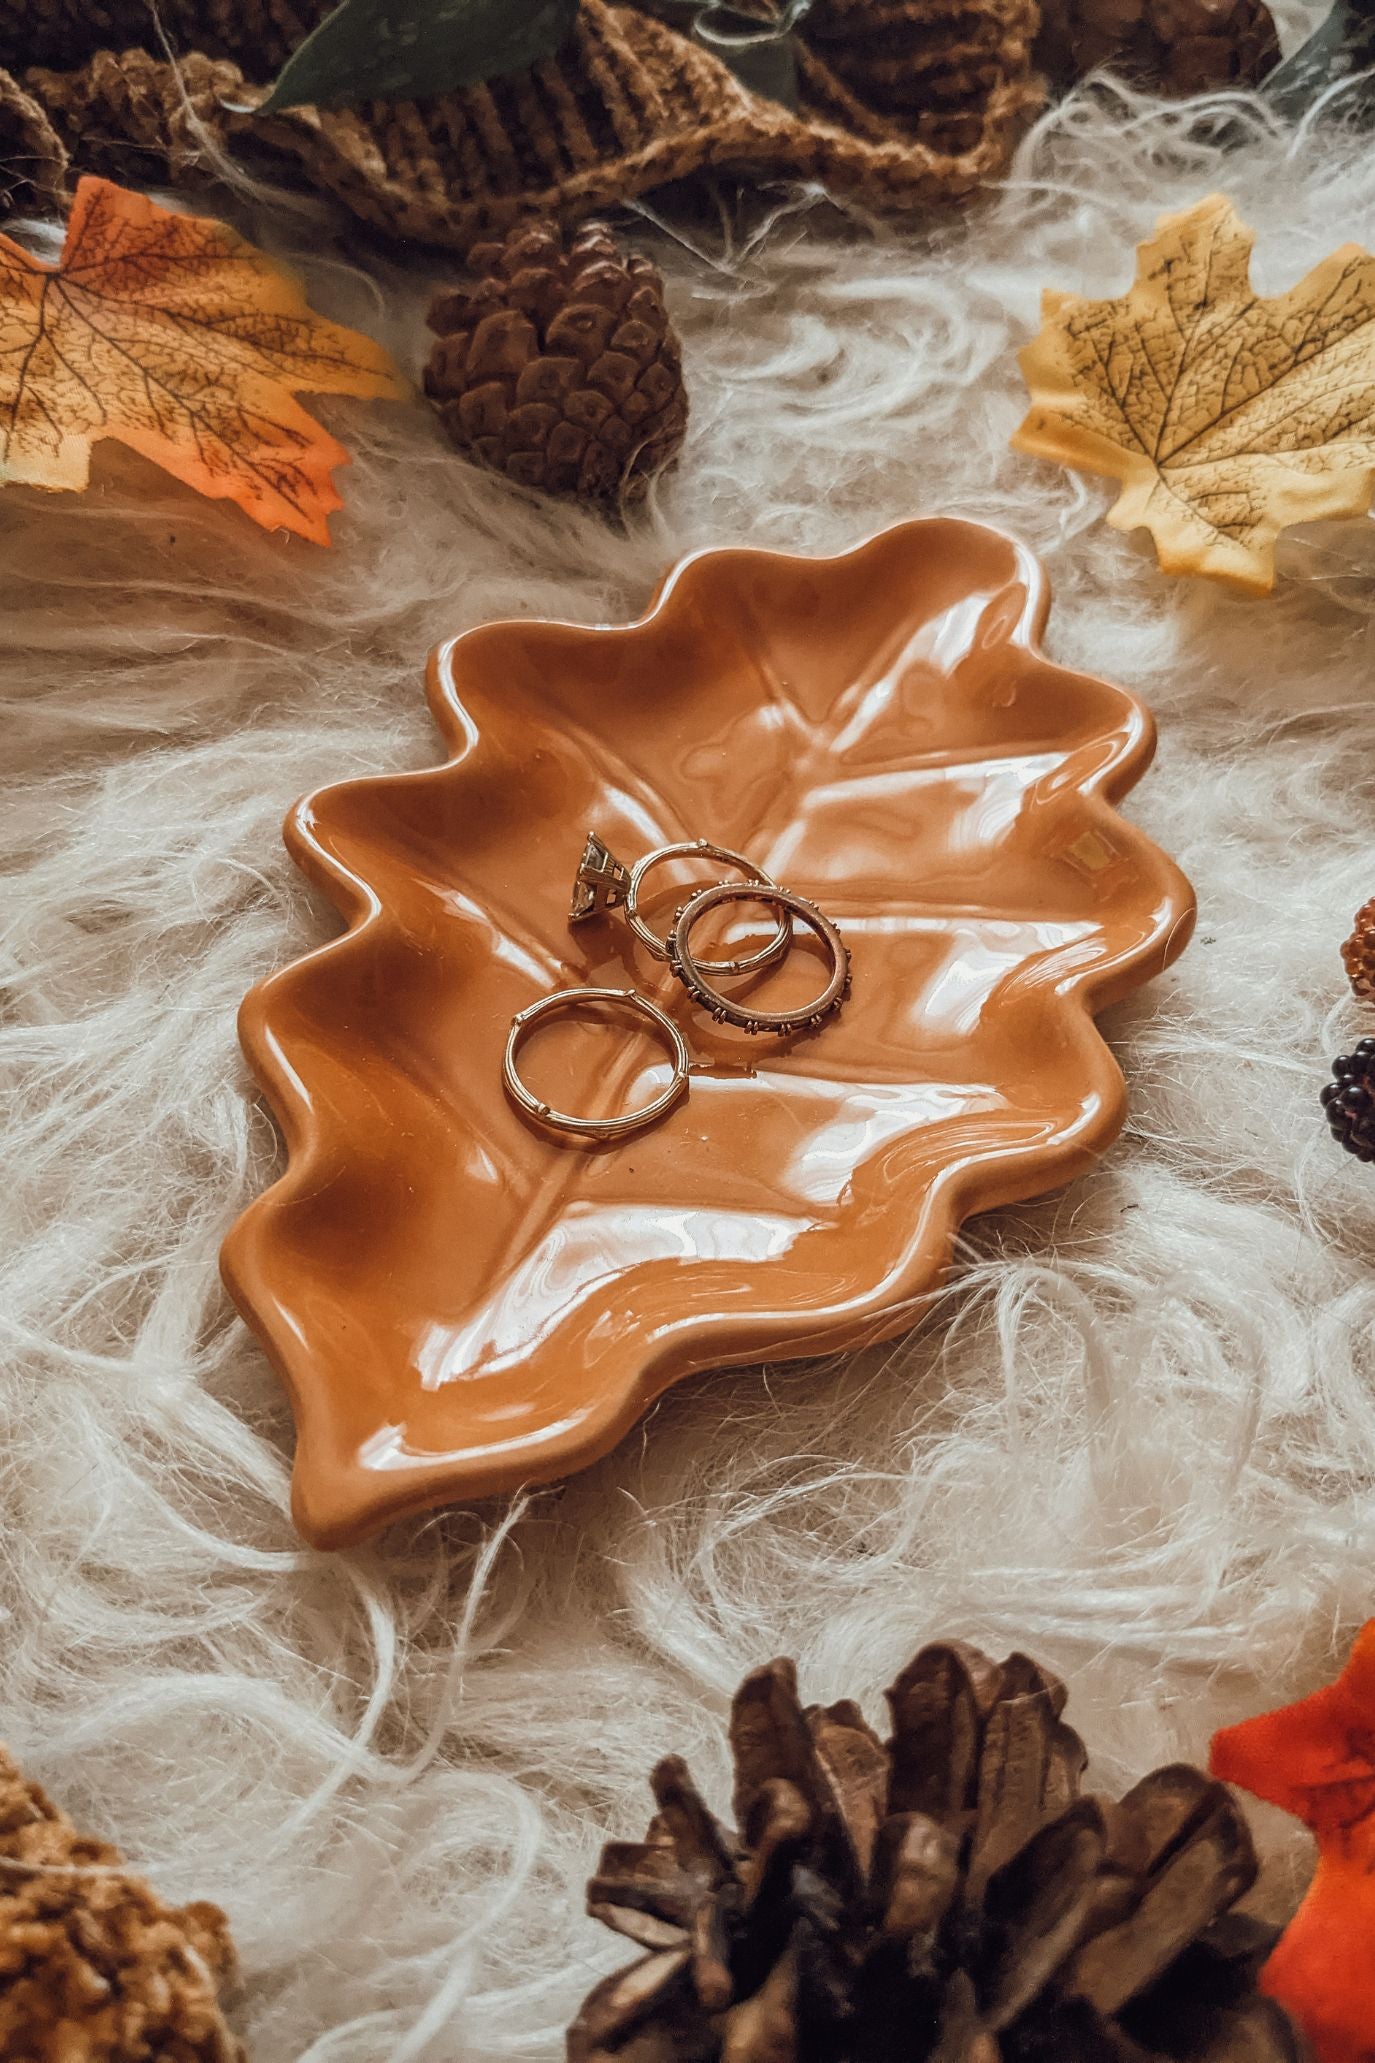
602	882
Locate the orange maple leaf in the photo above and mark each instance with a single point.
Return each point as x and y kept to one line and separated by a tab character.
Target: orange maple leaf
174	335
1316	1759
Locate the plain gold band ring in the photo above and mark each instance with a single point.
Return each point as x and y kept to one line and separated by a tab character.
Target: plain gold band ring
595	1127
691	972
702	848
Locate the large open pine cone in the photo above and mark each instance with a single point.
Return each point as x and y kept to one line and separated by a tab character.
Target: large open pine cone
1178	47
945	1897
560	367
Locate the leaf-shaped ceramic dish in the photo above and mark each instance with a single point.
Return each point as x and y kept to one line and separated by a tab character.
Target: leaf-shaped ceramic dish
459	1303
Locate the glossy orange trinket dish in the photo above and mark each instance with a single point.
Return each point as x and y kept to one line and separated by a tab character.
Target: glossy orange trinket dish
460	1303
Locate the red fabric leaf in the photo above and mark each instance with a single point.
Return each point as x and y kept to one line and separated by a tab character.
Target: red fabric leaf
1316	1759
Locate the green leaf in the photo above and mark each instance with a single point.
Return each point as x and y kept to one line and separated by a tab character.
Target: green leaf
759	49
1340	48
757	42
406	49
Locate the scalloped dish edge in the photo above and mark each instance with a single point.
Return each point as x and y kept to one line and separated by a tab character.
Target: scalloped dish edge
999	1178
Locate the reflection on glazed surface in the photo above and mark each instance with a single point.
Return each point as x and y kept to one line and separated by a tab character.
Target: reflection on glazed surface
460	1302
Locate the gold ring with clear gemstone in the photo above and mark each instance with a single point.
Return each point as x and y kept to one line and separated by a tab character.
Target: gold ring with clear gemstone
605	883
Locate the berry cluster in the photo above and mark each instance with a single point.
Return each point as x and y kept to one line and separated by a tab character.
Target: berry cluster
1358	954
1349	1100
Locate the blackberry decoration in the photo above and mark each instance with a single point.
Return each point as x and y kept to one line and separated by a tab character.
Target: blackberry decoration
1349	1100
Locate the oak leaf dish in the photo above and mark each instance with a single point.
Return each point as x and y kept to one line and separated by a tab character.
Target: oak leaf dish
460	1304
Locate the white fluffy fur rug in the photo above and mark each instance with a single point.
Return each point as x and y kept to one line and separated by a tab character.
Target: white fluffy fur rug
1136	1435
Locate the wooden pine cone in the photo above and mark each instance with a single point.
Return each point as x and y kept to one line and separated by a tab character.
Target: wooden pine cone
947	1896
559	366
1177	47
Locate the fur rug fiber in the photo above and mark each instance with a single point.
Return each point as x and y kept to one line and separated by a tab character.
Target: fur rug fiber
1135	1434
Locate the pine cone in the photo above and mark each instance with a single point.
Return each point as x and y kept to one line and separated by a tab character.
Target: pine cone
1358	953
93	1965
946	1897
1177	47
560	367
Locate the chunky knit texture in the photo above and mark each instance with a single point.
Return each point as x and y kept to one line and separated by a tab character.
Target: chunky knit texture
902	106
94	1967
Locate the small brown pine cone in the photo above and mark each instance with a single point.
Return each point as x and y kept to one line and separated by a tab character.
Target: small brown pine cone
1358	954
93	1965
559	366
1176	47
946	1896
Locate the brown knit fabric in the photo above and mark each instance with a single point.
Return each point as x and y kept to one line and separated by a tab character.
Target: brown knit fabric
905	103
94	1968
33	163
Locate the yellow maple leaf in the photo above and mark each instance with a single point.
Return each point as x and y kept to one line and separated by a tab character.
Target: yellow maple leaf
1225	416
172	334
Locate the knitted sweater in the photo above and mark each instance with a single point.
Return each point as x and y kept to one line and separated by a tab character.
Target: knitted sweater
902	103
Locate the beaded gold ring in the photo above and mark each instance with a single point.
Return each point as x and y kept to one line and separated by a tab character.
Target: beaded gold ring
692	973
594	1127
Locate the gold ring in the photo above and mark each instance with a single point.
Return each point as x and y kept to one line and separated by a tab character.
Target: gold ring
605	883
692	972
594	1127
